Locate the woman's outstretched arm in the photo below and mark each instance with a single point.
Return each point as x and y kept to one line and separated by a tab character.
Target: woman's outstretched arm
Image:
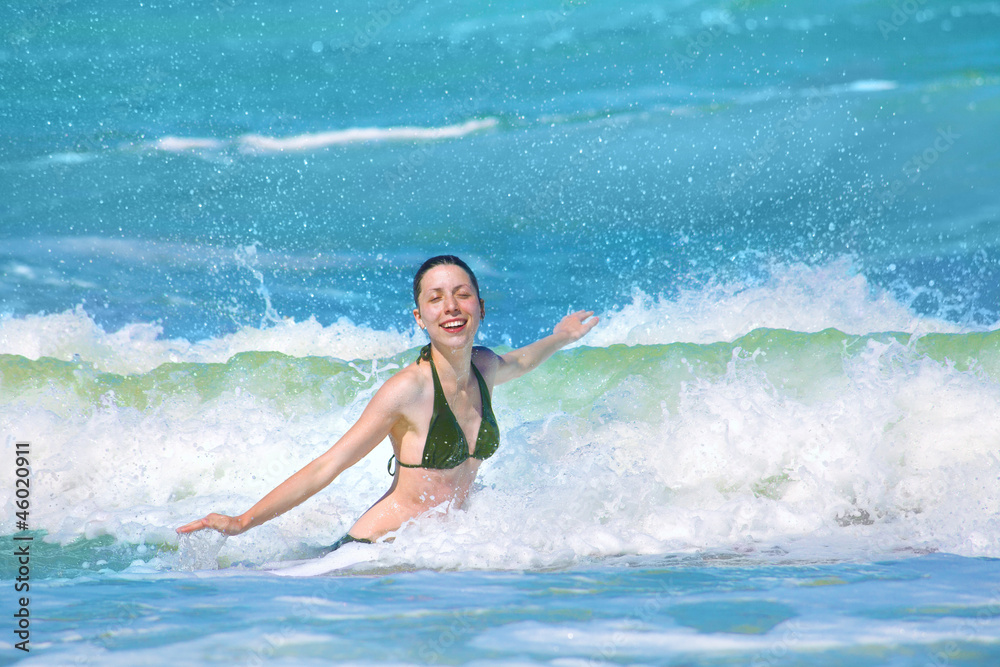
516	363
372	427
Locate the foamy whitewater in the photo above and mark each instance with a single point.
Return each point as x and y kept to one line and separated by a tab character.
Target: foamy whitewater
778	447
816	440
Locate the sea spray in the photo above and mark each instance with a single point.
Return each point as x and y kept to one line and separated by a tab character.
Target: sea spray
777	440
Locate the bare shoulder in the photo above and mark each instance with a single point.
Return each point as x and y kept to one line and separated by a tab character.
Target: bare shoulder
405	387
486	360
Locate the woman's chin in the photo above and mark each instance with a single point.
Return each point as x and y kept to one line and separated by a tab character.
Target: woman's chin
457	341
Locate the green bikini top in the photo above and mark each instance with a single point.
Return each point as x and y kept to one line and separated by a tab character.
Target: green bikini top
446	446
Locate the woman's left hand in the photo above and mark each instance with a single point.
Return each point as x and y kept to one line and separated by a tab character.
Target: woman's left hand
575	326
225	524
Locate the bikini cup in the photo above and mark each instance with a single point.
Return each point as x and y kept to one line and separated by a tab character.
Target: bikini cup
446	446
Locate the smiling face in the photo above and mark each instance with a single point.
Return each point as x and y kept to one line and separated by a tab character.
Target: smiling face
448	306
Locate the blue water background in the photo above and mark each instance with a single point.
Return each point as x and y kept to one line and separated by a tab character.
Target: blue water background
649	146
628	146
716	609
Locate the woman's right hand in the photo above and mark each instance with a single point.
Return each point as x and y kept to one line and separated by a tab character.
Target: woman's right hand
227	525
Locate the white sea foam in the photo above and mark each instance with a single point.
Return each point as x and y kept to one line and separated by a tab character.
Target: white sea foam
63	159
137	348
632	639
866	86
893	452
303	142
796	297
256	143
182	144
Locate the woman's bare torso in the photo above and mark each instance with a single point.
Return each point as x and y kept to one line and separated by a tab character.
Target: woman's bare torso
416	490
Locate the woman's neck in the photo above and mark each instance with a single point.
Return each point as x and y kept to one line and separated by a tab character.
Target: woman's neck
453	364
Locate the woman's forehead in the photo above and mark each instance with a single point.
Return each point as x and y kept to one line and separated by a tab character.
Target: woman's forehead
446	276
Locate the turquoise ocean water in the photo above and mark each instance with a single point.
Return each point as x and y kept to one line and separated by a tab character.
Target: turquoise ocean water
779	447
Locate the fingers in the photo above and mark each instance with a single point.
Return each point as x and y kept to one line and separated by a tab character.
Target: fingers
220	522
577	325
191	527
581	316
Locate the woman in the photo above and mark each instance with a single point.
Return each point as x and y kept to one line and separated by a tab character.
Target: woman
436	411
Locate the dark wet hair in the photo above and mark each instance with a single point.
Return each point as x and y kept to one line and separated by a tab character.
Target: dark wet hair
441	260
